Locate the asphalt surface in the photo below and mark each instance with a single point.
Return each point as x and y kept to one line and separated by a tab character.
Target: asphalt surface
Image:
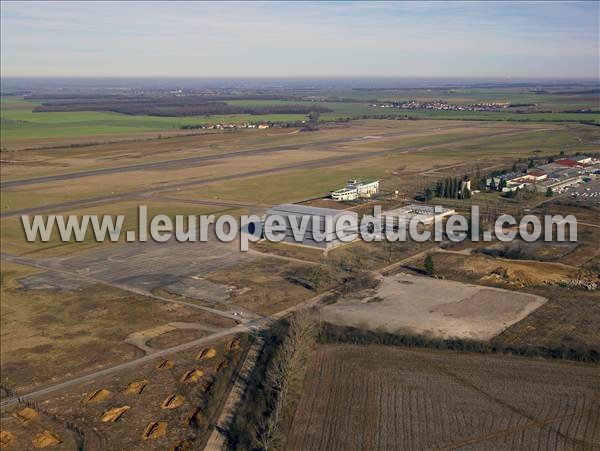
122	286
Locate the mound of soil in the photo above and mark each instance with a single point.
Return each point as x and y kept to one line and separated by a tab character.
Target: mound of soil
6	438
45	439
26	415
196	418
206	353
221	366
183	445
192	376
114	414
234	344
155	430
96	396
165	365
172	402
135	388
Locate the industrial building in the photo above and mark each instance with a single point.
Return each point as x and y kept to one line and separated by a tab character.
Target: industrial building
406	213
558	184
323	215
356	189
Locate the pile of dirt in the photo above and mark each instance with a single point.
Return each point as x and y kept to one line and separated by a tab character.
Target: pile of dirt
580	284
26	415
6	438
192	376
234	344
221	366
516	274
135	388
165	365
155	430
96	396
195	418
184	445
172	402
206	353
45	439
114	414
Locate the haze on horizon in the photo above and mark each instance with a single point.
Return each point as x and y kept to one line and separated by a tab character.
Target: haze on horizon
272	39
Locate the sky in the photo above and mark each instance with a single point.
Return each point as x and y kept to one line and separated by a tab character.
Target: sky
300	39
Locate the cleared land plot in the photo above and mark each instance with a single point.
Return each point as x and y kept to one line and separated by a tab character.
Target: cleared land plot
433	307
568	319
510	273
384	398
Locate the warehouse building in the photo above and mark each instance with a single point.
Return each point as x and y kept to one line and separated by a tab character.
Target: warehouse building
404	214
293	215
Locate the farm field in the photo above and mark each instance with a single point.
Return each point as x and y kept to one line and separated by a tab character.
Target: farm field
19	122
375	397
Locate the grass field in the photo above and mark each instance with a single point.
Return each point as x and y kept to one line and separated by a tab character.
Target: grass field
371	397
20	123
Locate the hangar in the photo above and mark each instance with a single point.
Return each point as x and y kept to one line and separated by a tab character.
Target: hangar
323	225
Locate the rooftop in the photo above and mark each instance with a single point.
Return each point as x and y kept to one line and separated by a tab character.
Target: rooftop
568	162
536	173
295	209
